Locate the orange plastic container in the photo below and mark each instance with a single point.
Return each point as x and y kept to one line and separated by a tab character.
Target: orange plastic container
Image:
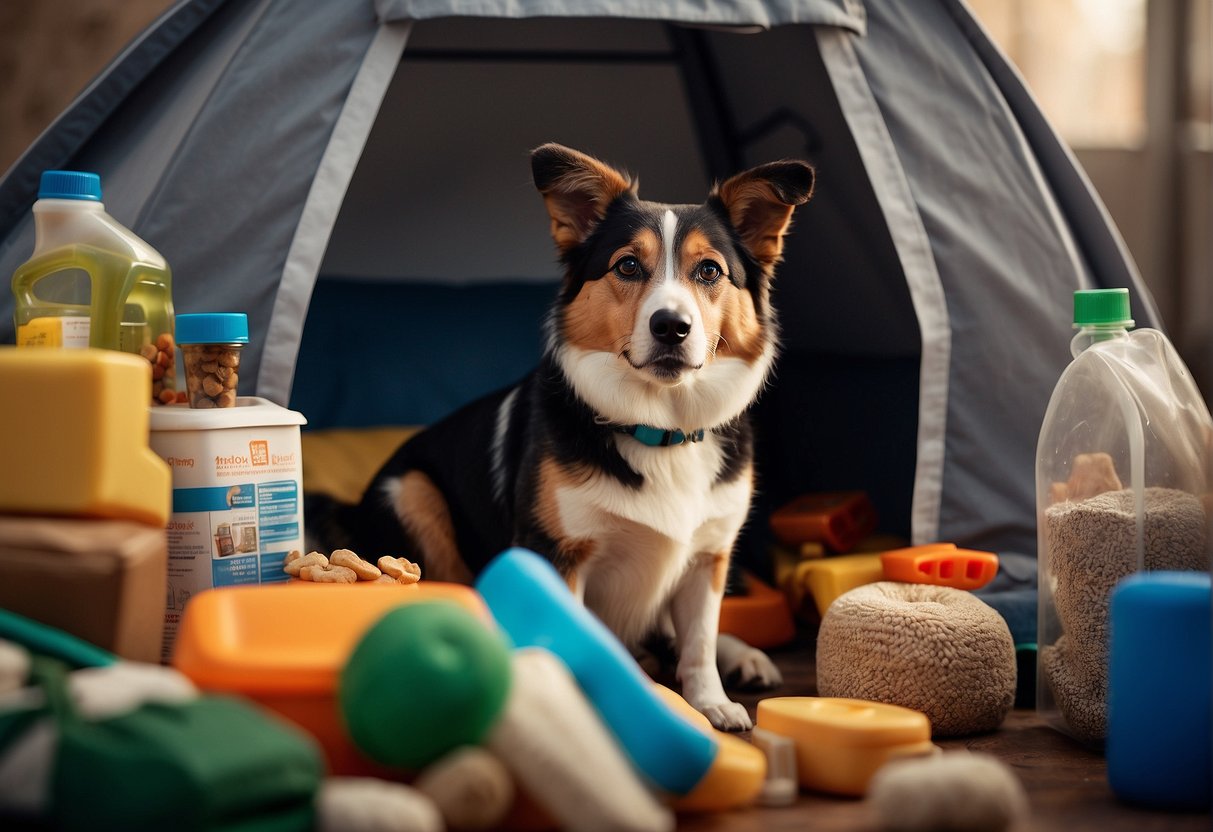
760	618
284	646
839	519
941	564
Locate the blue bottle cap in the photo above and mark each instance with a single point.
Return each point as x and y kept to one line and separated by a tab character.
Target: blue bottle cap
70	184
213	328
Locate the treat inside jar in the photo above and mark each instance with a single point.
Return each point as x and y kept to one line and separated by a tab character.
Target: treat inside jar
212	372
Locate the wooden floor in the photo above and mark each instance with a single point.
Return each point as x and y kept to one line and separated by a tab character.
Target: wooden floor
1066	783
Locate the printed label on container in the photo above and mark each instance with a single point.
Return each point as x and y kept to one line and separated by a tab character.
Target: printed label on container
237	510
69	331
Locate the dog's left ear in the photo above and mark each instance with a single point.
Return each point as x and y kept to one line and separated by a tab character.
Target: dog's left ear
760	202
576	189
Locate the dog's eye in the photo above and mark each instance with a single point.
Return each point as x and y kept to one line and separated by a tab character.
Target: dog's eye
709	272
628	267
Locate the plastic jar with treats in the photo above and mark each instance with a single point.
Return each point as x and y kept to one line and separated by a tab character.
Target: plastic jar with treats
211	344
1122	486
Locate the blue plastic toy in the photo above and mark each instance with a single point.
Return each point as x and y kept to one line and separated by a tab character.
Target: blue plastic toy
536	609
1160	682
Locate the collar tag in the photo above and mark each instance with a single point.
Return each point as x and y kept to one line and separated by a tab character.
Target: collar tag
658	438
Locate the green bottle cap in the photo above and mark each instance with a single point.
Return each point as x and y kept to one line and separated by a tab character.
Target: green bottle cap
1102	307
427	678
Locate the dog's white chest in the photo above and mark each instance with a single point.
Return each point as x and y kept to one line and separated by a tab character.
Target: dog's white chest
645	539
679	499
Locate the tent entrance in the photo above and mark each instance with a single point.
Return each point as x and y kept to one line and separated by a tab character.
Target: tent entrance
440	266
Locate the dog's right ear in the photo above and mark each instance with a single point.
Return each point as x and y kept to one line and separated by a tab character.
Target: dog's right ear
576	189
760	203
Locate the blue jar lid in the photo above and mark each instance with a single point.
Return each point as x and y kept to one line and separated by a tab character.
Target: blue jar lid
213	328
70	184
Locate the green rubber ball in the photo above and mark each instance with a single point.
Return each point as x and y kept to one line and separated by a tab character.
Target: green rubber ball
426	678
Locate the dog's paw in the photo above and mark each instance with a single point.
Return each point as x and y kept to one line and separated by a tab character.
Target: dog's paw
728	716
755	671
745	667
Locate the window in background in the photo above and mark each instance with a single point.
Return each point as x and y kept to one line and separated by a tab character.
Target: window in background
1198	106
1084	60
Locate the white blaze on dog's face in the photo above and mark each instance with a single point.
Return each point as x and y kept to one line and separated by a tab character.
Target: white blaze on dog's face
665	316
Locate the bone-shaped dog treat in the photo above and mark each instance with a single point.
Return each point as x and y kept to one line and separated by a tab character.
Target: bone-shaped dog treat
294	565
402	570
365	571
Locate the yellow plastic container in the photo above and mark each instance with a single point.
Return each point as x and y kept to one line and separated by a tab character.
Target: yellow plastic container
828	578
74	436
840	743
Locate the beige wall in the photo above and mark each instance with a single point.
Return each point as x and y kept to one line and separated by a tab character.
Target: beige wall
50	50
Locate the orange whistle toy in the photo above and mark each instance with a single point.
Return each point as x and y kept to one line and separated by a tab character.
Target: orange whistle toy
941	564
839	519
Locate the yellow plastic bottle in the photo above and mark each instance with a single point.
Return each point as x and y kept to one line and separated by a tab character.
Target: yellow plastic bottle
91	282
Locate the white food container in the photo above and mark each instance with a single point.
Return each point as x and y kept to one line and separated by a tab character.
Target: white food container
237	497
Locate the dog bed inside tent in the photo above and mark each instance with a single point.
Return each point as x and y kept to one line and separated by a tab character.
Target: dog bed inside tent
354	176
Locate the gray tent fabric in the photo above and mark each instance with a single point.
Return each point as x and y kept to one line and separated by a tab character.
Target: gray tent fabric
762	13
893	190
972	437
211	158
270	148
63	139
324	200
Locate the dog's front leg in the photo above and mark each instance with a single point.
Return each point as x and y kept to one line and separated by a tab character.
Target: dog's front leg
695	611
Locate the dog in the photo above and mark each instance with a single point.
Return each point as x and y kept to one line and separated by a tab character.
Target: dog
625	457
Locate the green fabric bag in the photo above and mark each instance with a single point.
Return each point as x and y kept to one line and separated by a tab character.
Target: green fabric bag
213	763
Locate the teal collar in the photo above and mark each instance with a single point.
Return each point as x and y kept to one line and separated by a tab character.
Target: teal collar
658	438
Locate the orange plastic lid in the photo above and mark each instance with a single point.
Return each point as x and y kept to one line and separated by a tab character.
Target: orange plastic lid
293	637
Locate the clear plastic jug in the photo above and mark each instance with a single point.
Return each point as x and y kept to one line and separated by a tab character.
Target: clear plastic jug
1122	486
91	282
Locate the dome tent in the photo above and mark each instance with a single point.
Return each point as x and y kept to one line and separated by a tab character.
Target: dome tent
353	175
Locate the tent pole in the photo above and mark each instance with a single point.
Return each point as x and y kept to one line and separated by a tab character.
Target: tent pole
277	371
715	120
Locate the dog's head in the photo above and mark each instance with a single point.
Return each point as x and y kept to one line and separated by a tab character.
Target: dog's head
665	316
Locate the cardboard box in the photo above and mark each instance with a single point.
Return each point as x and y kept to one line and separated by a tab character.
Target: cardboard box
101	580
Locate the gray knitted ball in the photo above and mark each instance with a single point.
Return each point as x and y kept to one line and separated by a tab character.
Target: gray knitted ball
935	649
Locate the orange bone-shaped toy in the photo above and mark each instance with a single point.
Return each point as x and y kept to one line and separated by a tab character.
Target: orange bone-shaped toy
941	564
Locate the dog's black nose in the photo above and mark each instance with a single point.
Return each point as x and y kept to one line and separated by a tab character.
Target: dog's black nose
670	327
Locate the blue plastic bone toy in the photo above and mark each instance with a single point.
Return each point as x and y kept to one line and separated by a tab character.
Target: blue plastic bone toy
536	609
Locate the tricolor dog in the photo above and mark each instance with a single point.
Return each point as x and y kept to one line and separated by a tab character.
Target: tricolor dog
626	456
